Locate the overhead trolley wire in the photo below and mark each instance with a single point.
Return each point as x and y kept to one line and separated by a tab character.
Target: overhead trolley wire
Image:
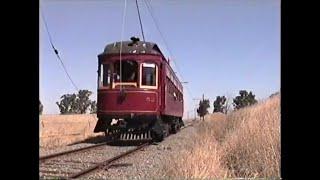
149	7
57	53
140	20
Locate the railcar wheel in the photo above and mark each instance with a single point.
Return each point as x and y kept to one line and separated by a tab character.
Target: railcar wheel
157	137
181	123
174	128
111	135
107	135
157	132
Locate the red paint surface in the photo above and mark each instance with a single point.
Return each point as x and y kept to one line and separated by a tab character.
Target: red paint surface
155	101
134	101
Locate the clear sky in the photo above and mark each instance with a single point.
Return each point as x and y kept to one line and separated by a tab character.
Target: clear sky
219	46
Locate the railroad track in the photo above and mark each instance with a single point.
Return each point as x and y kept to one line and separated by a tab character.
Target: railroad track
93	165
80	164
50	156
108	162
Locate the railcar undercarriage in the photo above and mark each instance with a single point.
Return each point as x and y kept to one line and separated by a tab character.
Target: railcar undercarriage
143	128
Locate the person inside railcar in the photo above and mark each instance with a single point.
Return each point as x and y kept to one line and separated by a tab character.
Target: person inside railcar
133	77
129	71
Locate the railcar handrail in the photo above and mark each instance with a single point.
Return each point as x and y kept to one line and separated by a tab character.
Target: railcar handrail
124	84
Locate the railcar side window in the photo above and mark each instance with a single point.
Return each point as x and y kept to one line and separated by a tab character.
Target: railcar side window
148	74
105	75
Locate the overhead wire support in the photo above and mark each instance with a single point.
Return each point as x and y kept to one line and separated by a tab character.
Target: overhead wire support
149	7
140	20
155	22
57	53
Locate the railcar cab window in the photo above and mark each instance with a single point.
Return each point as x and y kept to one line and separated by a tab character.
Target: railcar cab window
129	71
149	75
105	75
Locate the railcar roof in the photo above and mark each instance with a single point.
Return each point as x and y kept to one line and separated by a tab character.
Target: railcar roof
139	47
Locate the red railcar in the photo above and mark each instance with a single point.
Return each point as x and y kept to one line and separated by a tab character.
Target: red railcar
139	96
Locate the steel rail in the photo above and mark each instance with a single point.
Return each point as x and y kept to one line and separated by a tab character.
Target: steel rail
70	151
43	158
107	162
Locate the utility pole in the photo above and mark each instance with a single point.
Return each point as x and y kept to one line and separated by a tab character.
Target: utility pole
202	102
195	108
198	99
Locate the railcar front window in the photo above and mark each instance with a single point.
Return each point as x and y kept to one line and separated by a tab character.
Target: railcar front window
148	74
129	71
105	75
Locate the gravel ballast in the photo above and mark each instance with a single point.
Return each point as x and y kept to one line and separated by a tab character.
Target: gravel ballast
148	163
144	164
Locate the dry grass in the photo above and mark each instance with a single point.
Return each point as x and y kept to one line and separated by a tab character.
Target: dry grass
245	143
60	130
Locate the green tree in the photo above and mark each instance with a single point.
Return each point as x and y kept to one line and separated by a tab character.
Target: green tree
67	104
83	102
244	99
274	94
203	108
93	107
40	107
228	105
219	105
76	103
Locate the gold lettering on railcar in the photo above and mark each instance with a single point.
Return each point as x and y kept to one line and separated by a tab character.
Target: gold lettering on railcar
148	99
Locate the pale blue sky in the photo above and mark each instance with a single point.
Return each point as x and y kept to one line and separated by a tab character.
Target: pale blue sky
220	46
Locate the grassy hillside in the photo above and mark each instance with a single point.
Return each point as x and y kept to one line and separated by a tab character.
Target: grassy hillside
245	143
